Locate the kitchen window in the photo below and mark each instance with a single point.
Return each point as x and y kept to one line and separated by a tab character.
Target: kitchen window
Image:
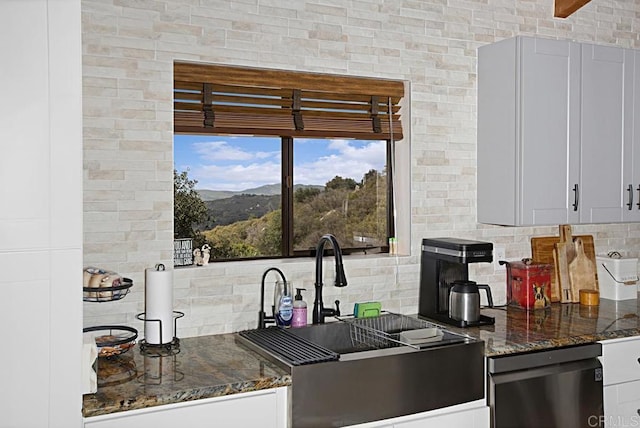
279	158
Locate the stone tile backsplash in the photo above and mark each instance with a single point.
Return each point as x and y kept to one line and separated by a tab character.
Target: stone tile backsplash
128	52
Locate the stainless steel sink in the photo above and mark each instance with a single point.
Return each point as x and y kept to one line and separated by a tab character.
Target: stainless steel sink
371	337
335	336
374	375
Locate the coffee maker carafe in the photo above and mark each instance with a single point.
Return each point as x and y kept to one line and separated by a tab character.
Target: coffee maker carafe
444	265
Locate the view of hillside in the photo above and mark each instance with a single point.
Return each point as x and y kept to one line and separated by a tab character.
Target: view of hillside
222	212
248	224
212	195
227	207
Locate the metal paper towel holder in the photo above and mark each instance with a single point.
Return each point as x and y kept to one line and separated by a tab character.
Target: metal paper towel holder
161	348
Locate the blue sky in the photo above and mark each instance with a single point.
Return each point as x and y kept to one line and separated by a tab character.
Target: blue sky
239	163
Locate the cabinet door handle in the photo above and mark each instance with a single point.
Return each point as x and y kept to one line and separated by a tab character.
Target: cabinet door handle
638	204
630	203
576	197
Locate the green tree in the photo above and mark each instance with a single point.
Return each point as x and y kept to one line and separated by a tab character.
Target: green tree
232	241
367	208
339	183
345	208
371	175
269	240
324	213
188	207
304	194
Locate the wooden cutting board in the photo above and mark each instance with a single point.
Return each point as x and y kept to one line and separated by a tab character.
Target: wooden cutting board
582	272
563	252
562	288
542	248
567	237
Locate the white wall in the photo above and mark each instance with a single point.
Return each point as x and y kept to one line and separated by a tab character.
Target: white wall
128	52
40	213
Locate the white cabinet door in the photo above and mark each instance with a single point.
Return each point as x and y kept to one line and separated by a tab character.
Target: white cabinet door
475	418
621	366
621	360
631	172
555	134
605	80
549	102
528	131
622	404
264	409
473	414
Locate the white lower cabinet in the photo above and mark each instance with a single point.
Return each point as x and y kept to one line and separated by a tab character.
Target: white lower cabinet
474	418
264	409
474	414
621	379
269	409
621	360
622	404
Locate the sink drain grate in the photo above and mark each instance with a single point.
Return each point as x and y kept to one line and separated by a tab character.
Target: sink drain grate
293	349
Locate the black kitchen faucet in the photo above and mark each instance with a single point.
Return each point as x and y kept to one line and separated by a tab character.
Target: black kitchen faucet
263	318
319	311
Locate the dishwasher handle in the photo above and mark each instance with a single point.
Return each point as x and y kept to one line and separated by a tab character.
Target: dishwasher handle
528	360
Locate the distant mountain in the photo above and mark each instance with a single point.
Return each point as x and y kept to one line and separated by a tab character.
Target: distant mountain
226	207
212	195
266	190
238	208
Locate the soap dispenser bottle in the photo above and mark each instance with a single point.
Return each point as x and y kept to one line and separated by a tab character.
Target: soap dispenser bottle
299	310
283	304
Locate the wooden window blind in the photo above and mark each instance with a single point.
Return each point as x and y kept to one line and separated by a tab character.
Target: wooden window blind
235	100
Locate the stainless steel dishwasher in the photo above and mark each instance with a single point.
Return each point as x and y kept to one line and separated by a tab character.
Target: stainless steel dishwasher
556	388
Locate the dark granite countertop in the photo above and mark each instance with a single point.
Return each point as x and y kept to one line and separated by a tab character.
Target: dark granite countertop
212	366
517	330
206	366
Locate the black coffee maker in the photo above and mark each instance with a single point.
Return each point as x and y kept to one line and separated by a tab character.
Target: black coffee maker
443	265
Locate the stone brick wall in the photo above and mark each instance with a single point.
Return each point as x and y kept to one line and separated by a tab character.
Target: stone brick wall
129	47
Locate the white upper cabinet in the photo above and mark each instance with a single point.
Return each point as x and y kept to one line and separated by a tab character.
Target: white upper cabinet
601	197
631	156
528	90
551	132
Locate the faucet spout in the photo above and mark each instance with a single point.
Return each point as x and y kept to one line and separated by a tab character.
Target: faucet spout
263	318
319	311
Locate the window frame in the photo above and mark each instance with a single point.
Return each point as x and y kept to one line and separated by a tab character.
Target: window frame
384	119
287	209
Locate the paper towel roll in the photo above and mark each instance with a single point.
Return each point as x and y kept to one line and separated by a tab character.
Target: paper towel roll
158	302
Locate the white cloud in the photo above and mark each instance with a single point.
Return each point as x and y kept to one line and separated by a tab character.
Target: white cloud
213	151
237	176
349	162
224	166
